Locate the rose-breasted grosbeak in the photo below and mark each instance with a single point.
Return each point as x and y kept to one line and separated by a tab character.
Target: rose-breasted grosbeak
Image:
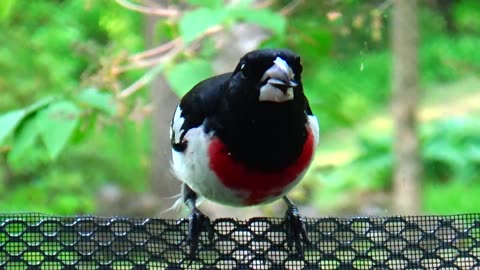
245	138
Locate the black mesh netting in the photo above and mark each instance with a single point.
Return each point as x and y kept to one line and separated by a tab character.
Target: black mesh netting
34	241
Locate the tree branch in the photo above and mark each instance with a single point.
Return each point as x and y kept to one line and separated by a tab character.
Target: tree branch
163	12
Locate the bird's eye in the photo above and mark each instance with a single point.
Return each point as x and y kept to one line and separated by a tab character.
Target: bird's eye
243	71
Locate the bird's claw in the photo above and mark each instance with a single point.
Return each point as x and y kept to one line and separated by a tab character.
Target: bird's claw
296	230
196	222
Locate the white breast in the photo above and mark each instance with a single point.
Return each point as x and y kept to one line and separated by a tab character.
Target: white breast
192	167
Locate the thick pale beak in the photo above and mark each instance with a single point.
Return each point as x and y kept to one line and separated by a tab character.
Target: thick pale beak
280	75
278	82
282	85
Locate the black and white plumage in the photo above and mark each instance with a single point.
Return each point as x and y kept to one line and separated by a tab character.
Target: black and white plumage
246	137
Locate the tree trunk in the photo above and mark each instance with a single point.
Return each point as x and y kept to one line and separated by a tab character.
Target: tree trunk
163	183
407	165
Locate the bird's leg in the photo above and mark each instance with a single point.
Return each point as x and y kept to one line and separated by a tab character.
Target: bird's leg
296	231
196	220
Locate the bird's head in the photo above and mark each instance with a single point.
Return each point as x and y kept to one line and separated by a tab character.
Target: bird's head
270	75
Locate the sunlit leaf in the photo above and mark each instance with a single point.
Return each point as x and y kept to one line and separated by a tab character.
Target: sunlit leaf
196	22
56	124
27	134
9	121
185	75
6	7
467	14
39	104
206	3
264	18
100	100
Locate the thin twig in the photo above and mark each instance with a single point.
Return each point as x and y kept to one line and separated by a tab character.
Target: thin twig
148	76
138	65
288	9
149	10
263	4
384	6
210	31
157	50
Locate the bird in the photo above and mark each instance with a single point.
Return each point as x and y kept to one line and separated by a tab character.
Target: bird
245	138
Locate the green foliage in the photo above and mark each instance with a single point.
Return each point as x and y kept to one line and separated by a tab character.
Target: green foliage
56	124
57	191
185	75
452	151
53	121
6	8
467	15
444	58
99	100
68	38
196	22
207	3
55	153
9	121
451	159
263	17
451	197
360	84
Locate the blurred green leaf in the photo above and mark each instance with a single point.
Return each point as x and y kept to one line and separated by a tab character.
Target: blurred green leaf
39	104
194	23
207	3
9	121
24	140
102	101
467	14
6	7
184	76
166	30
56	124
263	17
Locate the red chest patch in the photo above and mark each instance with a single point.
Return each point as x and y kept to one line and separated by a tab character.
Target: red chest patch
260	185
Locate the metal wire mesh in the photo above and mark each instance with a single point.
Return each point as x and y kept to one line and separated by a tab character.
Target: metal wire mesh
35	241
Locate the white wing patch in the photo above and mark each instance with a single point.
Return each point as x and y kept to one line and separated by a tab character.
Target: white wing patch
176	130
313	123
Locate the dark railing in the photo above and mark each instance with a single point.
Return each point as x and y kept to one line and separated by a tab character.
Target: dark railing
36	241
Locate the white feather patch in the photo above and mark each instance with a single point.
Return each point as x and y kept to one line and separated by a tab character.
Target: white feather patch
193	168
313	124
176	126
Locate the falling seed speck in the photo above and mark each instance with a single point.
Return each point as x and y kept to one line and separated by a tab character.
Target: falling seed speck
361	67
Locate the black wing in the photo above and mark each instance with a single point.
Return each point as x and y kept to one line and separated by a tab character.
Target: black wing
199	103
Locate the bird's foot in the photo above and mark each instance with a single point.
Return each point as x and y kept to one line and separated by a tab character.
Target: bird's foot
296	230
196	222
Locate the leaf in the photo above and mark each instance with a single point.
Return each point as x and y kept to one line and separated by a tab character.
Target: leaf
185	75
264	18
207	3
9	121
6	7
27	134
99	100
196	22
56	124
39	104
